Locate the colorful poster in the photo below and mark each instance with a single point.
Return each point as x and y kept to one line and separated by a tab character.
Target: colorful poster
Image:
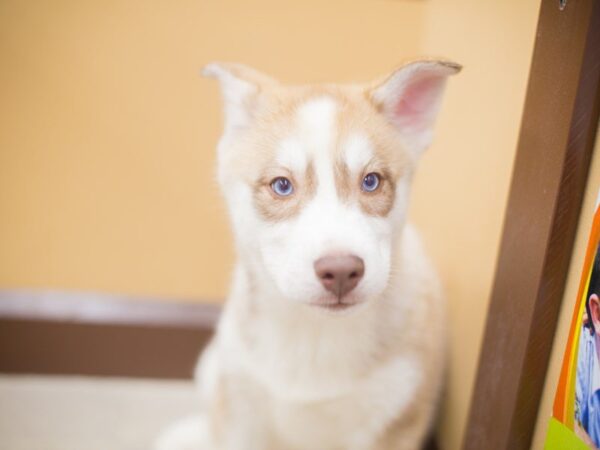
576	414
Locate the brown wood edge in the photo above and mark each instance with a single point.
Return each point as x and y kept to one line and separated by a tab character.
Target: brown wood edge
67	333
96	334
556	142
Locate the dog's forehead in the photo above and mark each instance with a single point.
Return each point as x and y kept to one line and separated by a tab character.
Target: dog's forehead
316	118
325	142
322	125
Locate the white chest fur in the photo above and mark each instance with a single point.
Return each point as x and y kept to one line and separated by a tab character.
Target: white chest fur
312	381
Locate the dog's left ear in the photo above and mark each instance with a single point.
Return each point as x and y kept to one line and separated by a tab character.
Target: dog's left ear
240	88
410	98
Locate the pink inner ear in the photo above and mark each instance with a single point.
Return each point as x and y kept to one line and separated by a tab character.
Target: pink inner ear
417	102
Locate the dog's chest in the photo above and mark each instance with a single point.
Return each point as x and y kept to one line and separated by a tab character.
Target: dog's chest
352	419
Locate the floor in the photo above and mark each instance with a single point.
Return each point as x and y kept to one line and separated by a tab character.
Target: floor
87	413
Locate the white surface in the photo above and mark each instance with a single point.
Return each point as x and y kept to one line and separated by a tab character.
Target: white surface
86	413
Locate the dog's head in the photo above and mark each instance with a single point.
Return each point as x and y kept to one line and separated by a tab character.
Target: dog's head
317	177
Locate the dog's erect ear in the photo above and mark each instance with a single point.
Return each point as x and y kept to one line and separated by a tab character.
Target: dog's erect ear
410	98
240	87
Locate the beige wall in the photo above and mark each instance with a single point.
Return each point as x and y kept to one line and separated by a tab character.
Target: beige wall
462	187
107	138
107	131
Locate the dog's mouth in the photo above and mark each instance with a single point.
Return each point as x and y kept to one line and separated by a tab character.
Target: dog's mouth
336	306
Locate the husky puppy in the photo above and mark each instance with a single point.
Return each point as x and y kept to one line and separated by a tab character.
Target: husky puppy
330	338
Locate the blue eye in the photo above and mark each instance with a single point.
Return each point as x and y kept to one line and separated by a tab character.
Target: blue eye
370	182
282	186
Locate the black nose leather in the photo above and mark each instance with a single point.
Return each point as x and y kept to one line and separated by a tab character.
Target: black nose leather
339	274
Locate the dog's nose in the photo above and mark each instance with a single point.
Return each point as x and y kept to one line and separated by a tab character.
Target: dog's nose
339	274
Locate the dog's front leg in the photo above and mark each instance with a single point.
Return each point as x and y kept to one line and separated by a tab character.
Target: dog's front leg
238	416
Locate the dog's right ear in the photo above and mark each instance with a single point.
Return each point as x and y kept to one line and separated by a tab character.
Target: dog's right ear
240	88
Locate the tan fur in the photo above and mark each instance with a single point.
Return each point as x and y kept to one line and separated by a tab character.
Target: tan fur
376	203
276	114
273	207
